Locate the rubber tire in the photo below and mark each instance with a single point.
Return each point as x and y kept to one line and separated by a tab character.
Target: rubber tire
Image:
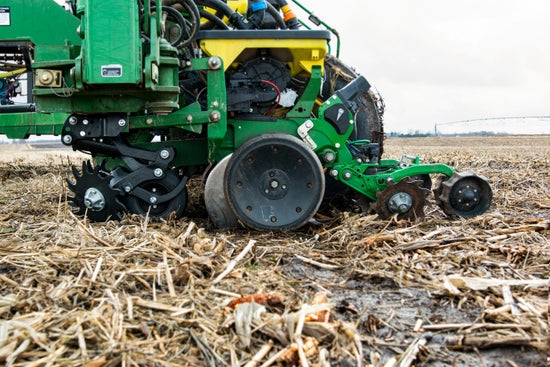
263	207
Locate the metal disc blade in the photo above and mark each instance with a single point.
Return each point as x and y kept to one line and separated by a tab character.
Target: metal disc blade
216	203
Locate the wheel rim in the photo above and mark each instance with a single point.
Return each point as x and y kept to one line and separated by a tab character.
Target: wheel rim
274	181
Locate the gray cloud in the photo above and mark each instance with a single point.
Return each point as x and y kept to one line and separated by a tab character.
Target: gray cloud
438	61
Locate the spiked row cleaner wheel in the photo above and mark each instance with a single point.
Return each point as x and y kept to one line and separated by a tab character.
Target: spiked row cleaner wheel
92	195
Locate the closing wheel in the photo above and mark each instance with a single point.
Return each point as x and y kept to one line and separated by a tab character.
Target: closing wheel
217	206
406	199
465	194
159	187
274	182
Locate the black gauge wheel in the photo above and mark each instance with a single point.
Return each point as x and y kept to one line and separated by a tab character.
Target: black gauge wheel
274	182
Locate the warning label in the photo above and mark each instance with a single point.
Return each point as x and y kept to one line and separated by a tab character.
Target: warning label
5	18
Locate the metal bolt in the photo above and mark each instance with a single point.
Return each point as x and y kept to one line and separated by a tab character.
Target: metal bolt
347	175
73	120
215	104
149	121
189	118
83	133
153	199
127	188
158	172
164	154
215	116
121	122
334	173
329	156
214	63
67	139
85	122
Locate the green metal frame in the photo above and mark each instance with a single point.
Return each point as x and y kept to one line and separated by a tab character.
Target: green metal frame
23	125
205	134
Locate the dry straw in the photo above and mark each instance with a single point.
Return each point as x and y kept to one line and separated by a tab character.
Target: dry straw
355	292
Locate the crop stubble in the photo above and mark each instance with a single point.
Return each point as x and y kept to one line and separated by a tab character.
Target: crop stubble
356	291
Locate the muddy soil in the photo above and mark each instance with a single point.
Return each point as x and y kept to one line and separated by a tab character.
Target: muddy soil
386	313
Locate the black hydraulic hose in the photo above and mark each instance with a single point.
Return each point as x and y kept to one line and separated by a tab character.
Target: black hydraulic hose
289	18
217	5
235	18
276	15
179	19
213	21
256	19
193	11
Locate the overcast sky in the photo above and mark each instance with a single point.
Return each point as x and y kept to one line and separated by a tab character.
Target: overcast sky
438	61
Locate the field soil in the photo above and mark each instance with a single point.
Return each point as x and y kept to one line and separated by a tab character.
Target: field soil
352	291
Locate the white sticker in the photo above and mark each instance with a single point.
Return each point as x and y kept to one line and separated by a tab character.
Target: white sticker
5	18
111	71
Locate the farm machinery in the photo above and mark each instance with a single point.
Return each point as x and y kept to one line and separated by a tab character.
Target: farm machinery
242	94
